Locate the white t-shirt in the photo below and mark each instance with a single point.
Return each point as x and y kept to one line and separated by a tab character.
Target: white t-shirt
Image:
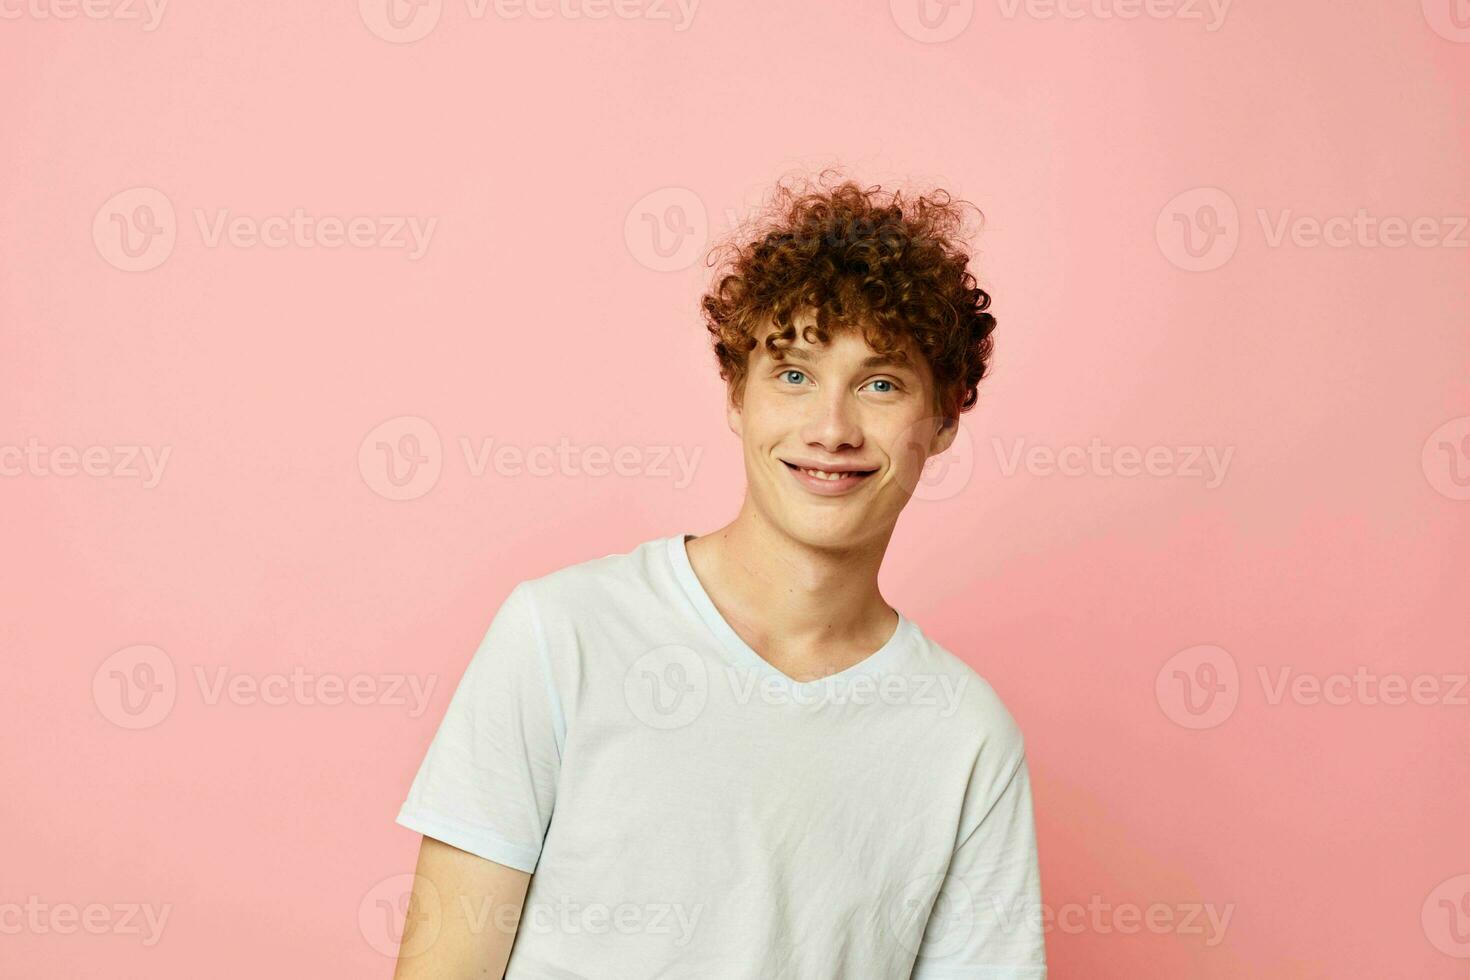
689	811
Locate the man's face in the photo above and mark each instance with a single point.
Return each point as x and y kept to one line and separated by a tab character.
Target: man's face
836	437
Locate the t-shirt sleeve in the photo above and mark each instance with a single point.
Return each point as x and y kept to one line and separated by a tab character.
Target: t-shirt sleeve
986	923
488	782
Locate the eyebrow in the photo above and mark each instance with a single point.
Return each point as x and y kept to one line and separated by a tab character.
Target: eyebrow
877	360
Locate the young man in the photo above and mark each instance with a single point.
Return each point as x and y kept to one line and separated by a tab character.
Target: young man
726	756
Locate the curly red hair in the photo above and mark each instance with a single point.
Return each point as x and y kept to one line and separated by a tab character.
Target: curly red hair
892	265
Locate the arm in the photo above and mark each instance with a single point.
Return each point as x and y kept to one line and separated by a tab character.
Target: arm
462	916
987	919
482	799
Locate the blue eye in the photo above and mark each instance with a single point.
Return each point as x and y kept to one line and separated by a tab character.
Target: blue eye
891	386
789	372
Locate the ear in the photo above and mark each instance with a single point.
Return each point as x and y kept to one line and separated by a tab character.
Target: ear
734	415
944	437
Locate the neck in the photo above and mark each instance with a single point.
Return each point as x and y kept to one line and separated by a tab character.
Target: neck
796	604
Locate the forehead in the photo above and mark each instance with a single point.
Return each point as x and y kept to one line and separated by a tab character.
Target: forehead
847	344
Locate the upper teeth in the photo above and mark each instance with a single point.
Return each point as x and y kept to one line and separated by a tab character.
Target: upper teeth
824	474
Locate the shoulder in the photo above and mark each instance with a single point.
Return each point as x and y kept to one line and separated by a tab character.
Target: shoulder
982	730
980	713
597	583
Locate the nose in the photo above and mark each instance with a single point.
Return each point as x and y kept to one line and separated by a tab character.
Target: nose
834	423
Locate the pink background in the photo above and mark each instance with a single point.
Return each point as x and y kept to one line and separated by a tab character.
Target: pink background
545	309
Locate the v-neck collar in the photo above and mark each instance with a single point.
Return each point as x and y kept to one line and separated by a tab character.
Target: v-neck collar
873	664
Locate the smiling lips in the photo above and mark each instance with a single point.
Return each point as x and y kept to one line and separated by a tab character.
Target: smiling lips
828	481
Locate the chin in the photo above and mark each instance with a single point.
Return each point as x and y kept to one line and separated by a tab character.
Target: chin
828	531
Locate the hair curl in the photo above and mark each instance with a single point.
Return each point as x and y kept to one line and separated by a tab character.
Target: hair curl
894	266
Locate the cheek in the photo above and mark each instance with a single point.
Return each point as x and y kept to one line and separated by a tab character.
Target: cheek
759	422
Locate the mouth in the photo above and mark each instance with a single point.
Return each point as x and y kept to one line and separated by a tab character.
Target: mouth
828	482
